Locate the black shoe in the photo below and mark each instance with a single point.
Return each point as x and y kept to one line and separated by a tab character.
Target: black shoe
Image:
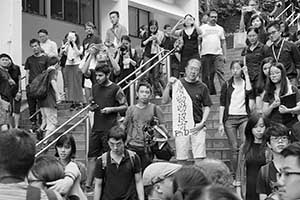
39	134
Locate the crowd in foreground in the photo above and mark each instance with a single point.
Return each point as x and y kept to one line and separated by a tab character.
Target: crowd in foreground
119	174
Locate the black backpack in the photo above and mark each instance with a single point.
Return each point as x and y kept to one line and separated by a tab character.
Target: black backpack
38	88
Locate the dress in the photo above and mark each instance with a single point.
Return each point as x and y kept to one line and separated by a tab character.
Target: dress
190	48
253	164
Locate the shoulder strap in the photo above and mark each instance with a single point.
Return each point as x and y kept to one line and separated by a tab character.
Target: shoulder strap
33	193
104	160
51	195
131	157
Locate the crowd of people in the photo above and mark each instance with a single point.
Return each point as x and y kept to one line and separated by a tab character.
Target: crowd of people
259	108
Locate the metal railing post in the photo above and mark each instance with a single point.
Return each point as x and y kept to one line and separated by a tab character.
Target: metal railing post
168	67
131	93
87	138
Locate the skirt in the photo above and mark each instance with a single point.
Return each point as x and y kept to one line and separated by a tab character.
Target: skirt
73	80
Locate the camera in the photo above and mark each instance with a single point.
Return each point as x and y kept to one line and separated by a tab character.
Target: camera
149	130
123	48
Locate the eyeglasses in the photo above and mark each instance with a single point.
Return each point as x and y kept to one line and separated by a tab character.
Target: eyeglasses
277	138
286	174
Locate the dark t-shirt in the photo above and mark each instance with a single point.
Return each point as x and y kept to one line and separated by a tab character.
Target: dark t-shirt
106	96
90	39
5	87
15	73
50	100
36	65
266	182
276	116
119	179
199	94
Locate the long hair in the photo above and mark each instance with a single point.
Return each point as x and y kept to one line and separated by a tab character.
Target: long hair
66	140
151	23
262	26
262	78
249	138
270	88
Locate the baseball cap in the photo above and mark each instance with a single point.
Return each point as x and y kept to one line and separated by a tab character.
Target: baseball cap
158	171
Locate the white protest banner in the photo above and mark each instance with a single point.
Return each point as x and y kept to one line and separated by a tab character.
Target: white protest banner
182	110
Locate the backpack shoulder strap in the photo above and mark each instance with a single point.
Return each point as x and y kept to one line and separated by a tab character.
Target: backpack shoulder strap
33	193
51	195
131	157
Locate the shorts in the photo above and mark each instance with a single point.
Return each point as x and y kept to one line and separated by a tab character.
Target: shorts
98	143
196	141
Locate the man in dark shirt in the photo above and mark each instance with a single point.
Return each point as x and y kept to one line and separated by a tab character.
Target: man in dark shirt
90	38
110	100
119	169
284	52
277	138
168	44
34	66
199	95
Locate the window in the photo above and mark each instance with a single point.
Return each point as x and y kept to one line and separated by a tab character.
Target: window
75	11
36	7
137	18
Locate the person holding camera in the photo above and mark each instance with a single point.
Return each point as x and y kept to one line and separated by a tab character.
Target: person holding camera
138	120
126	57
73	75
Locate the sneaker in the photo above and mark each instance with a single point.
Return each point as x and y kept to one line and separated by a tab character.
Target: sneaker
39	134
34	126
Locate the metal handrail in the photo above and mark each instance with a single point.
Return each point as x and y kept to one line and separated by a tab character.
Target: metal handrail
296	18
285	10
151	67
289	17
140	67
62	125
64	133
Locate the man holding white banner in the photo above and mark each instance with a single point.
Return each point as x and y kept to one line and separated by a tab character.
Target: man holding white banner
190	109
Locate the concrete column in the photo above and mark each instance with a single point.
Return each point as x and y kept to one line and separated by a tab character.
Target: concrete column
11	26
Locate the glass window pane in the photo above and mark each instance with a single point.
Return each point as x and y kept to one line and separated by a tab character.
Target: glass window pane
133	21
36	7
57	9
71	11
86	11
143	17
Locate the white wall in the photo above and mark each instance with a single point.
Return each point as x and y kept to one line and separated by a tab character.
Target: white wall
107	6
11	29
57	30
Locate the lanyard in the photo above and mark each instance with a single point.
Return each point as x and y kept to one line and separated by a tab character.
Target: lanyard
279	52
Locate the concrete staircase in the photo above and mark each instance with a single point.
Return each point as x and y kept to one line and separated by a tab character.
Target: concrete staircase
78	133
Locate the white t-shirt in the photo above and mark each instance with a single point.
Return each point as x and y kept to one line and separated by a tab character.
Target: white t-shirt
237	103
50	48
211	39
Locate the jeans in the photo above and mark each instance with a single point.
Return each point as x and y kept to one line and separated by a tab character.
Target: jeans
234	126
212	64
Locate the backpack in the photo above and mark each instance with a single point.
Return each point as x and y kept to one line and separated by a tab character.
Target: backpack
34	193
38	88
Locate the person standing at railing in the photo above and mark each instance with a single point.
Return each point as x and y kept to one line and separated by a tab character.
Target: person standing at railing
190	34
169	43
151	41
109	100
73	75
213	52
34	66
15	89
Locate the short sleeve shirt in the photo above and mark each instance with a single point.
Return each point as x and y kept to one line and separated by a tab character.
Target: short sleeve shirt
119	178
211	39
36	65
199	94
